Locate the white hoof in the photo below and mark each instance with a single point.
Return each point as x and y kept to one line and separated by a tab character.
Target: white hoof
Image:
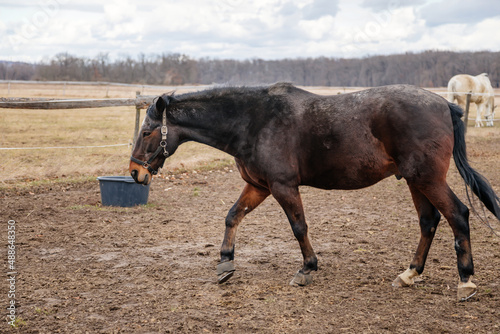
405	279
301	279
466	290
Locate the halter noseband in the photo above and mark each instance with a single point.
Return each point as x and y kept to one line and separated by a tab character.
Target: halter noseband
163	146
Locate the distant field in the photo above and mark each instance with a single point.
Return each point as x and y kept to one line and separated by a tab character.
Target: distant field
91	127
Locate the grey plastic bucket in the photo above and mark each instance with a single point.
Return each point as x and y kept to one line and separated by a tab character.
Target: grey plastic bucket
122	191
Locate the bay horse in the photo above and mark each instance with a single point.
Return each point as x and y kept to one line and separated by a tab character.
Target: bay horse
282	137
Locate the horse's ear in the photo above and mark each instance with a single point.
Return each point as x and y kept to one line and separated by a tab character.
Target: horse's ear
161	103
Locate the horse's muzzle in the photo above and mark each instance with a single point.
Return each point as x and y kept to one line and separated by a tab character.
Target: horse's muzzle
140	174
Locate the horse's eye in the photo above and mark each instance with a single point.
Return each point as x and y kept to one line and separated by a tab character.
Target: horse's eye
145	134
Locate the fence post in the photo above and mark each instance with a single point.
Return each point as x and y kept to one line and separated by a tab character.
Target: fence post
137	118
467	104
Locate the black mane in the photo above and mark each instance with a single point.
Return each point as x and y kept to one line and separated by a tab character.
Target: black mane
226	95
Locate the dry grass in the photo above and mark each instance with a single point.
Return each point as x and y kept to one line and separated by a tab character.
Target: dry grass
79	127
63	128
89	127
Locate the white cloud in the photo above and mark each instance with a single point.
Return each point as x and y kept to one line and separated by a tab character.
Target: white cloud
464	37
242	29
119	11
320	8
467	11
319	29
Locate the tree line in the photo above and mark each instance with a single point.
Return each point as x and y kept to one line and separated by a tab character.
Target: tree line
425	69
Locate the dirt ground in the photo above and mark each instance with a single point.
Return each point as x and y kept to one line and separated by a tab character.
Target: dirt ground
85	268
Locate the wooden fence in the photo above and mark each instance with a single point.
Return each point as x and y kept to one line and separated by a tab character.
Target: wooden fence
140	102
64	86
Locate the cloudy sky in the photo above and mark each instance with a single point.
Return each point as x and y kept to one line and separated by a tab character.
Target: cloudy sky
243	29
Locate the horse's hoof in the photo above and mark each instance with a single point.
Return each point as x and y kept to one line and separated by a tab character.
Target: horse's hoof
466	291
405	279
222	278
399	283
225	271
301	279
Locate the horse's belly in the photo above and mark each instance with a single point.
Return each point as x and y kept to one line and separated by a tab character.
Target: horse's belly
335	182
351	175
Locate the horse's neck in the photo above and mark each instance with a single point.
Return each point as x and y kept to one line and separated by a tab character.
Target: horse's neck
208	123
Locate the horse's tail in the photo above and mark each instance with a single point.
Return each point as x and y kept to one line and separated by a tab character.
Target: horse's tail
478	183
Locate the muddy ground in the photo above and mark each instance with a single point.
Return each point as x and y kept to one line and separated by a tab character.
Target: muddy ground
151	269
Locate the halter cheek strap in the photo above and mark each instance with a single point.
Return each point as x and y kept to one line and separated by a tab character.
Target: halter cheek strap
164	131
147	164
162	146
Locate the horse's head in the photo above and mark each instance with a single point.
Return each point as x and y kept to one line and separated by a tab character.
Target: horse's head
152	144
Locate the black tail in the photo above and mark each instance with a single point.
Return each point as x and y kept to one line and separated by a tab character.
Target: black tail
479	185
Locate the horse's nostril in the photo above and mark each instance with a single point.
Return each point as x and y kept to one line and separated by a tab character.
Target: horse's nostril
134	174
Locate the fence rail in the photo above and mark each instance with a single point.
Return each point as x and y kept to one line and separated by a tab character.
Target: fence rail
465	93
13	103
100	84
140	102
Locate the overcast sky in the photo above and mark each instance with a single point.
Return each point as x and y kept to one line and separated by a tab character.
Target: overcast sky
245	29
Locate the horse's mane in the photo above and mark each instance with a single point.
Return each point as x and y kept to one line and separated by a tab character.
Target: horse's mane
221	91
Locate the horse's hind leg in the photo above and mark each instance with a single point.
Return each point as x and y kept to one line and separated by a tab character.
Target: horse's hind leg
457	215
429	219
249	199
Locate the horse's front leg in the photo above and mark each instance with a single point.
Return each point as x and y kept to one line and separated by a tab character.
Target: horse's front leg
249	199
289	199
479	113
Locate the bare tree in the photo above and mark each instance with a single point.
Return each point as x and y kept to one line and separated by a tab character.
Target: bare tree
427	69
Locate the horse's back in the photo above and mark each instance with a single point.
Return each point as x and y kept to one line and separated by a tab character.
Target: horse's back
363	108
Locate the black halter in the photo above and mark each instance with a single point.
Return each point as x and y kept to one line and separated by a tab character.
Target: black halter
163	146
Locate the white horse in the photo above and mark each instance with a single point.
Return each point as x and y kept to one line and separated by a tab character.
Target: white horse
482	94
